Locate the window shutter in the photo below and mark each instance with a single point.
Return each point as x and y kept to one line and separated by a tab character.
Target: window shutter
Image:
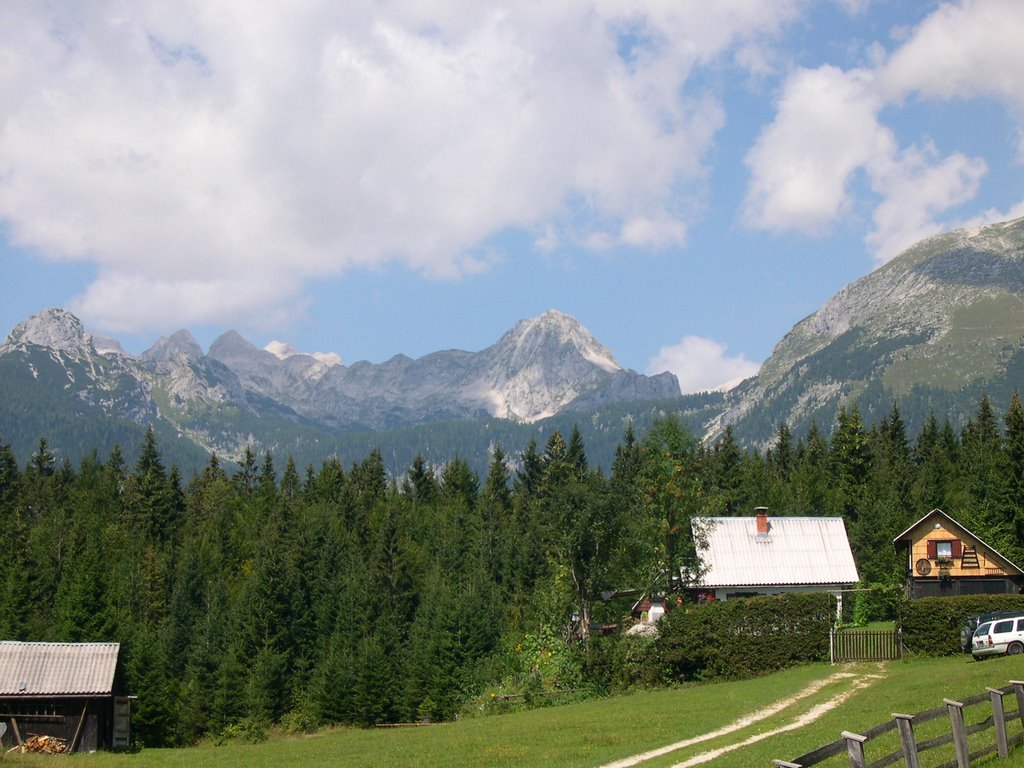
958	549
931	550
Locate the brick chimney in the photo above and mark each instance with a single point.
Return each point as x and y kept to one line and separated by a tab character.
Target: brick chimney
762	519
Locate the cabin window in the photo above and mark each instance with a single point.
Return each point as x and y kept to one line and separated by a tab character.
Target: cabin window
945	548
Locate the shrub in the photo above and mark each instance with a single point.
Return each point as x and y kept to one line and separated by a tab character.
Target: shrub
745	637
931	625
622	662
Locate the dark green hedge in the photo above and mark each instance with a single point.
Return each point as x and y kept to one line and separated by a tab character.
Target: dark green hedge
931	625
743	638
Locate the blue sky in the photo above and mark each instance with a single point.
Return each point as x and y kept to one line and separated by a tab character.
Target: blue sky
688	179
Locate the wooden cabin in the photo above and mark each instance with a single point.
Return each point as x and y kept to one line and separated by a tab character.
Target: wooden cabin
73	691
943	558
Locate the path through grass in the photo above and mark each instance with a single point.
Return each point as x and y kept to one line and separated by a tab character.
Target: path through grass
600	732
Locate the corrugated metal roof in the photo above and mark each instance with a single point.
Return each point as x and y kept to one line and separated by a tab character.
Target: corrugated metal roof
51	669
796	550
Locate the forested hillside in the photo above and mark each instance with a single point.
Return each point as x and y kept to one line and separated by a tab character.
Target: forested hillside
335	594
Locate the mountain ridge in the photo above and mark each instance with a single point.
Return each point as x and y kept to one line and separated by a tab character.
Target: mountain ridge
931	330
944	315
538	369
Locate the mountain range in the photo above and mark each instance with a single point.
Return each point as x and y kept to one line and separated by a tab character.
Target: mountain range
237	395
930	330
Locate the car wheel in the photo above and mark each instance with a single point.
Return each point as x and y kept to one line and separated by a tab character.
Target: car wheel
1014	649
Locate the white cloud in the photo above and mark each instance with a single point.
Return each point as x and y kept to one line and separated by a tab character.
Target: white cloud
701	365
915	187
828	129
212	158
994	215
658	231
962	51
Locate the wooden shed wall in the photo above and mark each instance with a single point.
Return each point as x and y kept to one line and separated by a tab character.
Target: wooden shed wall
60	717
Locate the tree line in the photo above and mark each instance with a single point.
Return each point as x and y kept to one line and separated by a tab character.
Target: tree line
271	594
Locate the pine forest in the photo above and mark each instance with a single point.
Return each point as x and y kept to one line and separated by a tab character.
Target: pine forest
274	595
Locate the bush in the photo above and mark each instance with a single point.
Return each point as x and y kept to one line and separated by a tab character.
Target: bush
746	637
931	625
621	662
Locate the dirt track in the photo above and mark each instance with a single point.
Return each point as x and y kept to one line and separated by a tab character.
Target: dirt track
858	682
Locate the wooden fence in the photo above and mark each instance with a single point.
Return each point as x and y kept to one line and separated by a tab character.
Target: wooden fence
854	745
865	645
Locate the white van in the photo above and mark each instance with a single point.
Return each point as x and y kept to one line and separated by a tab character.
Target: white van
998	637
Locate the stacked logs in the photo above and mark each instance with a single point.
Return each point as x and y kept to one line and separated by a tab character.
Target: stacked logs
49	745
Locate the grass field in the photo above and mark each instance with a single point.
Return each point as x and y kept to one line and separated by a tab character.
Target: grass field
599	732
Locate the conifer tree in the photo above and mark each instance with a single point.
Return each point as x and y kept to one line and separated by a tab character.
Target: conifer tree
726	463
497	495
850	458
780	456
423	485
1013	469
291	486
529	475
576	453
460	482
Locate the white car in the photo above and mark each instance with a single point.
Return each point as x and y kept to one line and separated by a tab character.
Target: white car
997	637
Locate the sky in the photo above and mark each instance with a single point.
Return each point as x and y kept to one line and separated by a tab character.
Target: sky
688	179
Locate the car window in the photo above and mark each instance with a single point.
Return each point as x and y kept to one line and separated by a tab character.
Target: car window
983	629
1002	626
1020	625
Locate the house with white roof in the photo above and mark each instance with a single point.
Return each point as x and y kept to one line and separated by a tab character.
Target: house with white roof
762	555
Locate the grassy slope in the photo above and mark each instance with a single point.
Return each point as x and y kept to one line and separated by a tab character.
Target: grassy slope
596	732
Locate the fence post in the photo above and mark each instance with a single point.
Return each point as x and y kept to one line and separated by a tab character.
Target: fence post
1018	689
832	645
956	720
855	749
999	720
905	724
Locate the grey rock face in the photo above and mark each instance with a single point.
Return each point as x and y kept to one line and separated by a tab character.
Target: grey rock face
55	329
941	314
539	368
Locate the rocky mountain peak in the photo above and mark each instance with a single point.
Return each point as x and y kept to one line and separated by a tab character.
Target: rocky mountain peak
179	347
52	328
231	344
554	331
108	346
945	315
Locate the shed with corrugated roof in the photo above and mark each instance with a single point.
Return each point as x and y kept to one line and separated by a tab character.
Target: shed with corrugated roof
73	691
762	555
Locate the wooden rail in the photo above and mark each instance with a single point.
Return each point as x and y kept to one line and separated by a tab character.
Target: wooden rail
854	744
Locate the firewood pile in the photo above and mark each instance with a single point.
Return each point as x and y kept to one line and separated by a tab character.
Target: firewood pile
48	745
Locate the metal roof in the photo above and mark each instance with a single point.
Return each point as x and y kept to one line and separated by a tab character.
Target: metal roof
795	551
57	669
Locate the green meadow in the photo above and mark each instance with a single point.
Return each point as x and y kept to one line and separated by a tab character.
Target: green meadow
600	731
